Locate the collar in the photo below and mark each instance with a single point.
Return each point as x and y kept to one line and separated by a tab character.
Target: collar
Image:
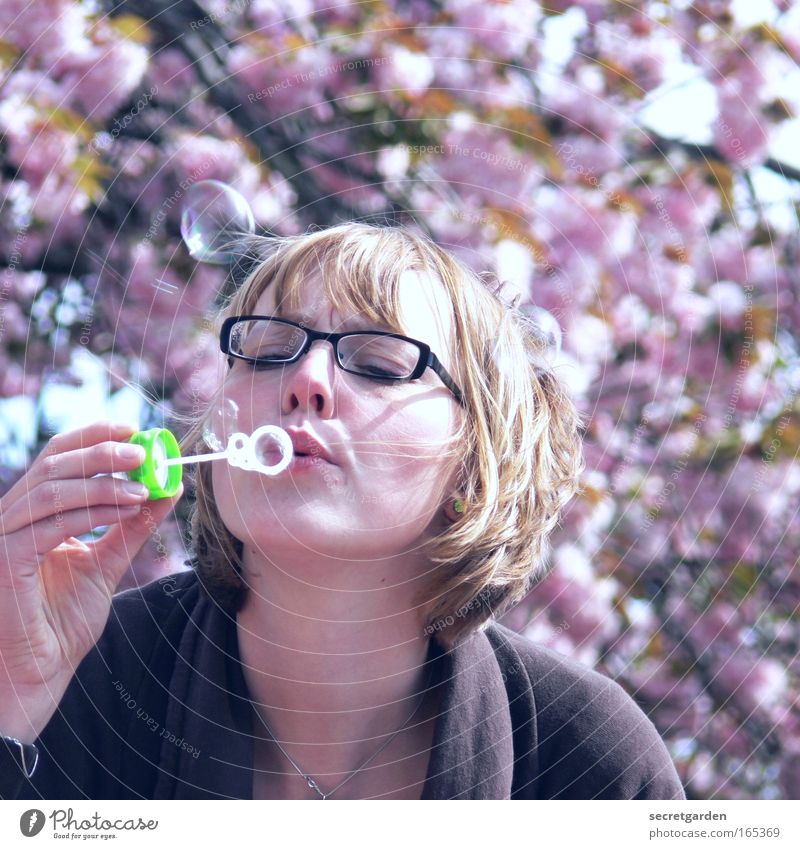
472	755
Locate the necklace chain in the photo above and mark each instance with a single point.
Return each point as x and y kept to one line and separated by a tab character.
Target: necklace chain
311	781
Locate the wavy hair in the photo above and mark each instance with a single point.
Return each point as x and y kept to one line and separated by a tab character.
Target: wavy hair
520	433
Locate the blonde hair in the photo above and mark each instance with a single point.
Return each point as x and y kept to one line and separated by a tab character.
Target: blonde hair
519	433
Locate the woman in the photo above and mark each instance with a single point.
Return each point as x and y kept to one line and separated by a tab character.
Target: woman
335	638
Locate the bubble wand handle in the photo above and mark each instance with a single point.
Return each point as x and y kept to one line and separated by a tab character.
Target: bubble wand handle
160	446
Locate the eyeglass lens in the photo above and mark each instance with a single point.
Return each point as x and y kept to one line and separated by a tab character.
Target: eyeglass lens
372	356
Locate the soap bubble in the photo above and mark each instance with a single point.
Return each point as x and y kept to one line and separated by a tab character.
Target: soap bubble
222	422
214	217
268	449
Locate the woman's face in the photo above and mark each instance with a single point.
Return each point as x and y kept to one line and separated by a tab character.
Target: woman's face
394	462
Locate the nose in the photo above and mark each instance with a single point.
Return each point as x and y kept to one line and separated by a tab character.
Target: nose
308	383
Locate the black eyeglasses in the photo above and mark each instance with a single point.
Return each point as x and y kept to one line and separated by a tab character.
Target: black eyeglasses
264	340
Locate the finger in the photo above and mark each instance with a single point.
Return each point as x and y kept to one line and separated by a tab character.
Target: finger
102	458
47	462
51	497
26	546
117	548
83	437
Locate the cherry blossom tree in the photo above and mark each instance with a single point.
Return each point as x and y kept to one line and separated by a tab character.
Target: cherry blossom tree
520	136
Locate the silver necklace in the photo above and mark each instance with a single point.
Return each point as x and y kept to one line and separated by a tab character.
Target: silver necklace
311	781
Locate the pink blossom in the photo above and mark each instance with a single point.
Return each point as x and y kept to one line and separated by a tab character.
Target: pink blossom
172	73
753	682
678	214
586	110
741	63
740	130
478	164
273	201
21	23
506	29
730	301
642	60
12	380
100	80
587	159
593	9
14	326
572	593
724	257
590	338
343	12
24	90
289	82
393	162
42	151
656	680
196	158
790	777
197	366
580	231
407	71
629	320
24	285
701	774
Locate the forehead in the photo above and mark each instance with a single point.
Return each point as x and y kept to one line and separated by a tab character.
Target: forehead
424	307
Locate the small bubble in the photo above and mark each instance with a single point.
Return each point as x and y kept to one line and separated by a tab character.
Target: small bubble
222	422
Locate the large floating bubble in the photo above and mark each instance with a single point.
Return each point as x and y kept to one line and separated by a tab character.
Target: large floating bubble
215	216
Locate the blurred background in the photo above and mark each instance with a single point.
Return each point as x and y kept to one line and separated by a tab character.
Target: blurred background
632	168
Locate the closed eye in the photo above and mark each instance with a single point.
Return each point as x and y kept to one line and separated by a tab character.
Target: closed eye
260	366
379	378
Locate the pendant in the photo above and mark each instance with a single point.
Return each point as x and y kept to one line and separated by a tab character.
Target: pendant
313	785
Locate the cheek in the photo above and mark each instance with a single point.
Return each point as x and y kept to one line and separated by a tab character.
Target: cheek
416	456
252	395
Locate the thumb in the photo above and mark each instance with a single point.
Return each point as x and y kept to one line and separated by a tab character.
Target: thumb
122	542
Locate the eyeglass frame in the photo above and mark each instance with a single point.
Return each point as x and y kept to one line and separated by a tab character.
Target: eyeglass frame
427	358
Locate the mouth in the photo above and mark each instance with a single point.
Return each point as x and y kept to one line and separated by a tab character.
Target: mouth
306	445
273	457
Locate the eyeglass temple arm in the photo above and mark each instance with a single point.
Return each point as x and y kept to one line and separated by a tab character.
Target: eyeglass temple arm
433	362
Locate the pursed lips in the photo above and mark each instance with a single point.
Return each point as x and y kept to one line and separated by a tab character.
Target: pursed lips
306	445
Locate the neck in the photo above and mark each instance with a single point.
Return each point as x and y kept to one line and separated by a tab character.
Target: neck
334	656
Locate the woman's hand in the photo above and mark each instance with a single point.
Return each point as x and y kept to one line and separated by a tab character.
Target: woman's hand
55	591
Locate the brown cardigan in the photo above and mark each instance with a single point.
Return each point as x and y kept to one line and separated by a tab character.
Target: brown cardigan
159	710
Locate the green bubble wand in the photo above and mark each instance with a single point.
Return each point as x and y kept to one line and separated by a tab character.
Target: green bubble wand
162	469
